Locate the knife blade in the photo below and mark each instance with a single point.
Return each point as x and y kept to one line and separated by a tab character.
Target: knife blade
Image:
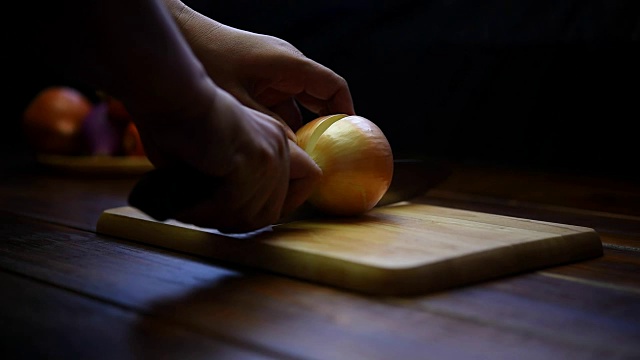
412	178
163	192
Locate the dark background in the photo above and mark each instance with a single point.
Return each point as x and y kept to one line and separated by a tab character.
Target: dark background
527	84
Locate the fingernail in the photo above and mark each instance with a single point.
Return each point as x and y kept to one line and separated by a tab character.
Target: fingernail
291	135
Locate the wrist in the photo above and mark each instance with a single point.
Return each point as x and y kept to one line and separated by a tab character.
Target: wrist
182	105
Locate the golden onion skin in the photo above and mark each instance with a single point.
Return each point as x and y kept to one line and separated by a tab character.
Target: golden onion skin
304	134
356	160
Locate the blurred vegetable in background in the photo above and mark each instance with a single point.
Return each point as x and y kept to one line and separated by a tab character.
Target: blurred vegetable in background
61	120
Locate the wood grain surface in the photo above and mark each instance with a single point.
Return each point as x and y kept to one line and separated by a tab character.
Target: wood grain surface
400	249
69	292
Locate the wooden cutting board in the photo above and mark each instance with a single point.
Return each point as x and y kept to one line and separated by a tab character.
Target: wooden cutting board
402	249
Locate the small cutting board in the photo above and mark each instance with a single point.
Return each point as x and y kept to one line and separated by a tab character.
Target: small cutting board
401	249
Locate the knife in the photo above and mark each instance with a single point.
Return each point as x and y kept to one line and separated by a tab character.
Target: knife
163	192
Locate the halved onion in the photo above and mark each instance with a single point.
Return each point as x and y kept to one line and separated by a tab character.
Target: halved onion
356	160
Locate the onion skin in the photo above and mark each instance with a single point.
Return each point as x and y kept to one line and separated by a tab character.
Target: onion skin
356	161
101	136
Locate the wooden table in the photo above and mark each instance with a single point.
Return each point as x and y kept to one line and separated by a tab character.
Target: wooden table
69	293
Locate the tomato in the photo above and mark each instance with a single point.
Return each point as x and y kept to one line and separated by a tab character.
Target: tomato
52	121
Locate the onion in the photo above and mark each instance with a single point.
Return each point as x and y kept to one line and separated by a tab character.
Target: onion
101	136
53	119
356	161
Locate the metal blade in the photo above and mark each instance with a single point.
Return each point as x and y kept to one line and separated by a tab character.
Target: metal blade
162	193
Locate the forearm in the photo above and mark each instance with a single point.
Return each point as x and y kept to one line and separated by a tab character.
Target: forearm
128	48
196	27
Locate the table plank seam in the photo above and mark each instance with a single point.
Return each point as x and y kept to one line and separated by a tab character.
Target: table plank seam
625	223
594	283
620	247
47	219
528	331
168	320
451	195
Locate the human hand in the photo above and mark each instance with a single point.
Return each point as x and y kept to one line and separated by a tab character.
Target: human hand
263	72
257	175
182	116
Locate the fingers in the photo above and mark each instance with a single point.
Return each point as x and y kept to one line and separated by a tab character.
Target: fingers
246	200
287	113
314	86
252	193
325	92
323	107
228	209
224	212
304	177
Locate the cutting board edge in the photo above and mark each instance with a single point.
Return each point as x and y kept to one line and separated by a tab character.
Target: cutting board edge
420	280
367	279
